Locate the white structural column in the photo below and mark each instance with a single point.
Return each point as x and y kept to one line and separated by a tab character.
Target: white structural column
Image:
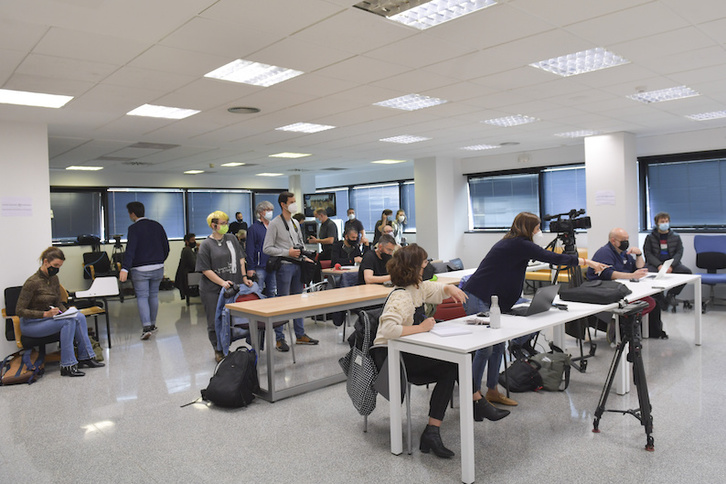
25	200
300	184
612	187
441	202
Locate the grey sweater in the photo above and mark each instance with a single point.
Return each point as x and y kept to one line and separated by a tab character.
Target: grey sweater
279	240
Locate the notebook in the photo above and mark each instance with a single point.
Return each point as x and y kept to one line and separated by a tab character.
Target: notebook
541	302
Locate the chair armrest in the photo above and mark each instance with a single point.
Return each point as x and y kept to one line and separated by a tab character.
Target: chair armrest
16	328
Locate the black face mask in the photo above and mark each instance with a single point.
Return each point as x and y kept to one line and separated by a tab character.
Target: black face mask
351	242
53	271
624	244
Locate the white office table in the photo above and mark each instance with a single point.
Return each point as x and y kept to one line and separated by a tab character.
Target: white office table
454	277
458	349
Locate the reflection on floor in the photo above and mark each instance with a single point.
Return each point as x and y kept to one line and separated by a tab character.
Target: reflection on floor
123	423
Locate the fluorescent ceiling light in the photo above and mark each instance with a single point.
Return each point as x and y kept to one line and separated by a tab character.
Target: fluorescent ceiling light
38	99
269	174
84	168
193	172
436	12
581	62
411	102
235	163
254	73
583	133
388	162
480	147
152	111
305	127
707	116
661	95
404	139
290	155
508	121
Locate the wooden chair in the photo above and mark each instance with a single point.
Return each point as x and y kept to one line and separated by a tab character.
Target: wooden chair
25	342
546	275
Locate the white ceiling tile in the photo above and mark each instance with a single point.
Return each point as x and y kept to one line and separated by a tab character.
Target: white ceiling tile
698	12
567	12
296	54
207	93
420	50
18	35
362	69
63	68
179	61
88	46
50	85
148	78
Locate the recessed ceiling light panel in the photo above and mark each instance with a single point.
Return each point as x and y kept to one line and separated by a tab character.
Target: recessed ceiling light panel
193	172
670	94
583	133
411	102
254	73
581	62
152	111
290	155
480	147
404	139
36	99
305	127
269	174
435	12
508	121
707	116
388	162
84	168
232	164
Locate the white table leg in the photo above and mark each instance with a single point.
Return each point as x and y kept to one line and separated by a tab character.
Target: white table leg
697	308
394	385
558	336
466	418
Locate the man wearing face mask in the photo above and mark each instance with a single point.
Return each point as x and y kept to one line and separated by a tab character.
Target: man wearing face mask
357	225
284	239
626	262
327	234
372	268
187	264
663	244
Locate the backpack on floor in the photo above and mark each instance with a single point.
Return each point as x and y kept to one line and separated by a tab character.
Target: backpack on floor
234	381
555	369
522	376
22	367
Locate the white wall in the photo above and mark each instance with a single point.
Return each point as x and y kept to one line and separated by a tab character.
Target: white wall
23	175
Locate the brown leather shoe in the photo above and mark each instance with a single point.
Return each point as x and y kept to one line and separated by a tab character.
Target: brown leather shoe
499	398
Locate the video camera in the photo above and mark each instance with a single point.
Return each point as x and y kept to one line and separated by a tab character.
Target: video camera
568	225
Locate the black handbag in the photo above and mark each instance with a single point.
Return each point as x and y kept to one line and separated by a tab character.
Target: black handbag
595	292
522	376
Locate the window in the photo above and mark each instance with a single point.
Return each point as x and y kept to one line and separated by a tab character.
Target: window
691	187
495	200
370	201
75	213
166	206
408	204
200	203
563	189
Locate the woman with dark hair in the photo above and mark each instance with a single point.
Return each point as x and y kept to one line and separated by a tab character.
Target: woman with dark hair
40	301
501	273
403	315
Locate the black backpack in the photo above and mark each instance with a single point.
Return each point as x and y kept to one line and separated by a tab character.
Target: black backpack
522	376
595	292
234	381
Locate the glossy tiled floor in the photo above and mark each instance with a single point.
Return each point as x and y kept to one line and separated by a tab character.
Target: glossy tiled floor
123	423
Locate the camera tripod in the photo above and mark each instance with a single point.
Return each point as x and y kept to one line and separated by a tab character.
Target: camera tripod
630	319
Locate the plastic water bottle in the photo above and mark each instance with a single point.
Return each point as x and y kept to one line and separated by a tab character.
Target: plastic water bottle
495	314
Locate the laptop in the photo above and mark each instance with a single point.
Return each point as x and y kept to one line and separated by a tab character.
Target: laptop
662	272
541	302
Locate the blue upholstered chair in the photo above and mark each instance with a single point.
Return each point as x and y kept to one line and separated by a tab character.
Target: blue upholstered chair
711	255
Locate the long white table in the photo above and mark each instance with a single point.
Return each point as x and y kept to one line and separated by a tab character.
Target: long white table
458	349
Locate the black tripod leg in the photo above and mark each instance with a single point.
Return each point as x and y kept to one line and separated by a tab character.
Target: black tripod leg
608	385
646	418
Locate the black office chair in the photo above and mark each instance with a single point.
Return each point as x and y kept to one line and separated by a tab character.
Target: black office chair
97	264
12	327
711	255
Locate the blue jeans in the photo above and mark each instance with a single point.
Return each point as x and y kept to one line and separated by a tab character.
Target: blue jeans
268	281
146	287
288	282
70	329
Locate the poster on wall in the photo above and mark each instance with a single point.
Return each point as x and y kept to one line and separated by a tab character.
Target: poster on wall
16	206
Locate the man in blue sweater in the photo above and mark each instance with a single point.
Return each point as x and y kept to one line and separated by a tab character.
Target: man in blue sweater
146	250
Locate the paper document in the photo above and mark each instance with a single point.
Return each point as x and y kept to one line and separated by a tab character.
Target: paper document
450	330
70	312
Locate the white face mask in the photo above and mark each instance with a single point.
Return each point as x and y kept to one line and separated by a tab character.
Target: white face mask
401	218
351	216
268	215
292	207
538	238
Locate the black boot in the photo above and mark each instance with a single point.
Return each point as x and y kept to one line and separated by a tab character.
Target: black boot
90	363
71	371
485	410
431	440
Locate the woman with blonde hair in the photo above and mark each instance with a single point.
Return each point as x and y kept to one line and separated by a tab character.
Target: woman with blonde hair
40	301
221	260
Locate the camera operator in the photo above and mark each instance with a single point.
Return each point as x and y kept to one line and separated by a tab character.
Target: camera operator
284	239
626	262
